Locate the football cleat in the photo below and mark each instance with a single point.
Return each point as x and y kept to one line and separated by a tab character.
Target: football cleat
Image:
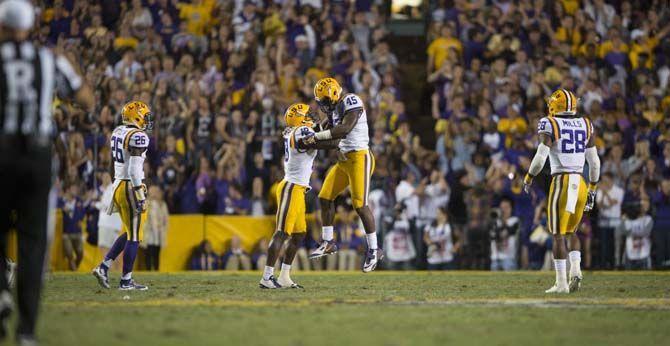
288	283
101	275
270	283
131	285
575	283
328	247
558	289
6	306
372	257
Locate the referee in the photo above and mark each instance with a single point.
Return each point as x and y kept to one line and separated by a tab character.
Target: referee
29	77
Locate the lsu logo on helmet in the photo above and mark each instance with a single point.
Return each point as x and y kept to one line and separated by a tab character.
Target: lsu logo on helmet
562	102
327	93
137	113
298	115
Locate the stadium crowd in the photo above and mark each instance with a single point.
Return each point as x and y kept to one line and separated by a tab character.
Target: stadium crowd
219	74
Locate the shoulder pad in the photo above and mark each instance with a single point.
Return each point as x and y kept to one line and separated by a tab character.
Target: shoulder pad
546	126
137	139
351	101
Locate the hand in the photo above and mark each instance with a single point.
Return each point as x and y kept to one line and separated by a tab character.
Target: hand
341	157
590	201
309	141
527	181
140	197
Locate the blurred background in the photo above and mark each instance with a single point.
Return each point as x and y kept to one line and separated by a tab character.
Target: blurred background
453	91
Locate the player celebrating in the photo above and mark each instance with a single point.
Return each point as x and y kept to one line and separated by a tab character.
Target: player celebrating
568	141
129	144
298	159
350	124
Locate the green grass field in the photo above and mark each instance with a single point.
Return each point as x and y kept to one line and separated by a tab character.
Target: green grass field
382	308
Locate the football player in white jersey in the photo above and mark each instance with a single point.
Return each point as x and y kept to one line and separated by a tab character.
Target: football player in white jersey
298	160
568	140
129	143
350	125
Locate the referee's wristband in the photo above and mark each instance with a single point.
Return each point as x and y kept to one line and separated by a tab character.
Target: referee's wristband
323	135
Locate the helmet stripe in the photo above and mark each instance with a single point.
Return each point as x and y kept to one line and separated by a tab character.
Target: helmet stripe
568	101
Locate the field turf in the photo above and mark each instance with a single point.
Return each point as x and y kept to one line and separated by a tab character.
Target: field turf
382	308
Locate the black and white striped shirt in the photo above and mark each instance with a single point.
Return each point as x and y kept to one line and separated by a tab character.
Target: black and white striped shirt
29	76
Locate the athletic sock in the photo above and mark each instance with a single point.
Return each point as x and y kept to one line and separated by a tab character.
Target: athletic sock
127	276
372	240
327	233
561	277
115	250
269	271
106	264
285	273
575	262
129	255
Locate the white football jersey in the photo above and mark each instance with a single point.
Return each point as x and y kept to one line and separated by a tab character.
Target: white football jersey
123	137
297	162
358	138
570	135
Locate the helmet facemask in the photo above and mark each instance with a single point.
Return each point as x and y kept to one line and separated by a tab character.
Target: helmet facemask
326	105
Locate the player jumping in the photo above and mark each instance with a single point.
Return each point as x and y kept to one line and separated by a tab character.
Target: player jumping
298	160
350	124
129	144
568	141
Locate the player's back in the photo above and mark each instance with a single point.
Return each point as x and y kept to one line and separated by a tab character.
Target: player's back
358	138
570	137
123	137
297	162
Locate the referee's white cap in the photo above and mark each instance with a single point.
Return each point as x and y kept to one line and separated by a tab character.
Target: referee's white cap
17	14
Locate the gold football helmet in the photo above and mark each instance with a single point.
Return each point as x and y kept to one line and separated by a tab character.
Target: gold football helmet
137	113
298	115
327	93
562	102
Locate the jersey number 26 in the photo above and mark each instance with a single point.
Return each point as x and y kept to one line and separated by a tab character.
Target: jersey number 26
117	149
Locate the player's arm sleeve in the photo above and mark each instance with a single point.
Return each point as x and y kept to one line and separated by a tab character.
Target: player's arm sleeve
137	145
539	159
593	160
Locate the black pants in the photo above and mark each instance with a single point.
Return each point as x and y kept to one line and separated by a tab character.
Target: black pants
661	246
25	183
606	238
151	256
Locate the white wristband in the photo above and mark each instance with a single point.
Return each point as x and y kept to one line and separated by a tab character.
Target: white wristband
323	135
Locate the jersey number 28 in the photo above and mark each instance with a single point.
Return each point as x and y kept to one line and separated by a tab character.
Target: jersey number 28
575	141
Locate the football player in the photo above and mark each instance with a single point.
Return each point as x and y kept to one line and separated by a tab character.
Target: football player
129	144
299	154
568	140
349	124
